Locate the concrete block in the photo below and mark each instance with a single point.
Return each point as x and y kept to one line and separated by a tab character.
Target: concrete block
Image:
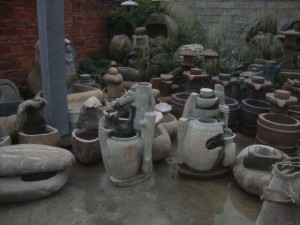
257	5
240	4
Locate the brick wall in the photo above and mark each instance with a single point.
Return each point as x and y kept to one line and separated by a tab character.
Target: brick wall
84	26
240	13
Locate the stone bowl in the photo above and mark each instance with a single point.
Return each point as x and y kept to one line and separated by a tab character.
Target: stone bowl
163	107
205	103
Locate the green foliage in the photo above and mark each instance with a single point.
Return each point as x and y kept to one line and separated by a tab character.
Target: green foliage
190	26
121	17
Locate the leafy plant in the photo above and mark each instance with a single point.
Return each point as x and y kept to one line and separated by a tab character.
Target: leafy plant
190	26
121	19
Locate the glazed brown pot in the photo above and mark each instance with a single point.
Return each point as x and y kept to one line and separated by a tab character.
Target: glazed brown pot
178	101
294	111
279	131
250	109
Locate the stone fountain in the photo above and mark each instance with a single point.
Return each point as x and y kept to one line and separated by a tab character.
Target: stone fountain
205	147
126	136
85	139
32	125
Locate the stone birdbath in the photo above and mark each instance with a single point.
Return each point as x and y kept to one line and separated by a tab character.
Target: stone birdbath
280	101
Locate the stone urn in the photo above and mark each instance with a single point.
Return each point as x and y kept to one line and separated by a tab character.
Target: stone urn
280	101
253	166
281	197
279	131
113	82
32	171
127	153
85	139
123	156
32	125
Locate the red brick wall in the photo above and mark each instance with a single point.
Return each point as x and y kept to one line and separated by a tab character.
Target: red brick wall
84	26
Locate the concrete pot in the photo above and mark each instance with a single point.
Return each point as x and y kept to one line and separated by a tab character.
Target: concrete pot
250	109
86	146
279	131
50	138
161	143
285	186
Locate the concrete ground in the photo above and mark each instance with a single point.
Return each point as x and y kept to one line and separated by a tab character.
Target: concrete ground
165	199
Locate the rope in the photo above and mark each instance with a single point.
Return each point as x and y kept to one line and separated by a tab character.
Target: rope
280	196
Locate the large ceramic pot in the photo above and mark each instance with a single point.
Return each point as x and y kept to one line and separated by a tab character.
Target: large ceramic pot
281	197
250	109
122	156
86	146
234	111
51	137
201	151
161	143
178	101
279	131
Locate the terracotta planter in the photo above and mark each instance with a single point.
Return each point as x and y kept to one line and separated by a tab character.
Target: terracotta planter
279	131
86	146
250	109
281	198
178	101
122	156
51	137
161	143
234	111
